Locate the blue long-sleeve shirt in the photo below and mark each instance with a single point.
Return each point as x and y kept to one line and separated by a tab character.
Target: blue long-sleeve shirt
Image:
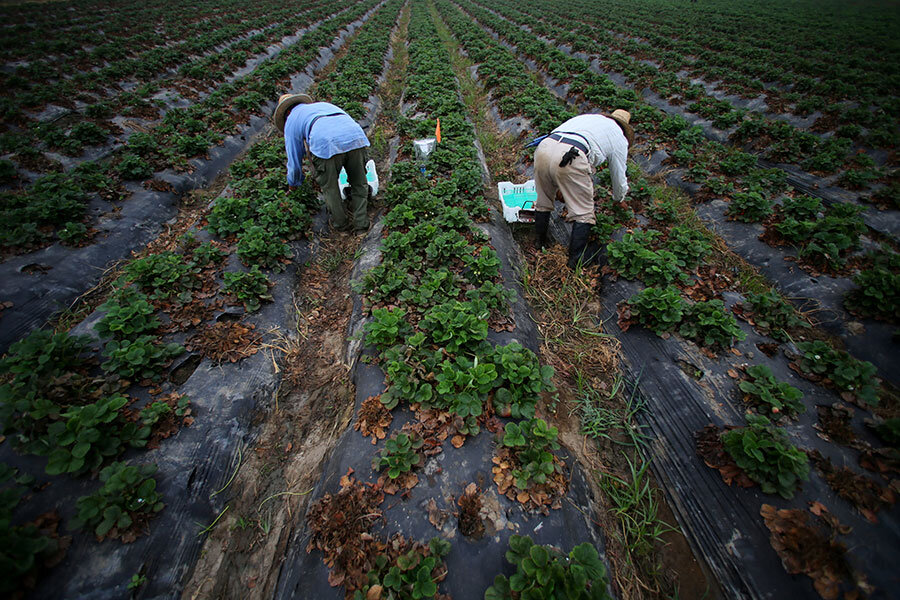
335	132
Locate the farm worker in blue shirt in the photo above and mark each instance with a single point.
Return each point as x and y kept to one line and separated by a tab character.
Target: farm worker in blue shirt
333	140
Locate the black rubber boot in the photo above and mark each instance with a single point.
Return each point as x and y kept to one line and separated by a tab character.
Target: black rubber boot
541	225
582	251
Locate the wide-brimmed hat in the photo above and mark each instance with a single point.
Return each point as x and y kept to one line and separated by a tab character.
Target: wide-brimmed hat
622	117
285	103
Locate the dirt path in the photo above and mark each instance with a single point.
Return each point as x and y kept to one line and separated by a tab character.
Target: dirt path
567	313
243	555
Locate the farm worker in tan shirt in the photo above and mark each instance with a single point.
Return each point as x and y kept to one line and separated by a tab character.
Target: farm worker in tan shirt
565	161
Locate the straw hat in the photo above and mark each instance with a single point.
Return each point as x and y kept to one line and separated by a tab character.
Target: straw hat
622	117
285	103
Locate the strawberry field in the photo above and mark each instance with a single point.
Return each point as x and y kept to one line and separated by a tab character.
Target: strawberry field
207	392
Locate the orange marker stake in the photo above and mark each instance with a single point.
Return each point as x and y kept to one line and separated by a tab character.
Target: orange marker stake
437	131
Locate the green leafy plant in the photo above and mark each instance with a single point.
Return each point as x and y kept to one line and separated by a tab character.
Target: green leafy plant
167	274
207	254
521	380
844	372
139	357
89	434
249	287
709	325
689	245
763	451
658	309
132	166
73	233
770	395
532	442
258	247
400	455
127	492
230	215
544	572
802	208
411	576
751	206
387	327
20	545
153	412
877	291
773	316
633	258
456	324
127	314
284	218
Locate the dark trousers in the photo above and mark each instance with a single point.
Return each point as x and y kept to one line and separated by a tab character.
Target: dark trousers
327	172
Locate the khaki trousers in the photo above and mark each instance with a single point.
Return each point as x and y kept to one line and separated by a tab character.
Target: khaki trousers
327	172
574	181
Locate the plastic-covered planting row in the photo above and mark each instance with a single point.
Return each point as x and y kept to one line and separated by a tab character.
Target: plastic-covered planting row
816	106
448	464
696	364
156	391
82	110
831	240
46	281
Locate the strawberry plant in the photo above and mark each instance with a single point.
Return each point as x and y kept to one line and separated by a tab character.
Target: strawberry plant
387	327
21	546
658	309
802	208
709	325
250	288
140	357
153	412
877	291
751	206
411	576
132	167
770	395
773	316
128	493
207	254
400	454
257	247
844	372
766	455
832	237
532	442
494	296
520	380
73	233
283	218
632	258
689	245
89	434
167	274
737	163
455	325
663	211
482	266
382	282
127	314
463	383
229	215
545	572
